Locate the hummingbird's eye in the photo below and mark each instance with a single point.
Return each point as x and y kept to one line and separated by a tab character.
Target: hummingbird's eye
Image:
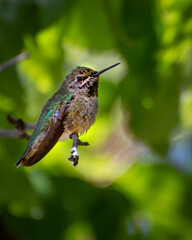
78	79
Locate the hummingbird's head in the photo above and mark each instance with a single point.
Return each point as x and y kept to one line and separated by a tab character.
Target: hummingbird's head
85	81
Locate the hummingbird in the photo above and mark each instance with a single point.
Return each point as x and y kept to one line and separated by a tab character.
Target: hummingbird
70	112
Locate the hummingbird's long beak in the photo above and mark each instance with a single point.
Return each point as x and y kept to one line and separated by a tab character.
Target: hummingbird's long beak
104	70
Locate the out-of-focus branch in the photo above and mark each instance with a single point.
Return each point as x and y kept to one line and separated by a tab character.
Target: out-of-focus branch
20	126
19	131
14	61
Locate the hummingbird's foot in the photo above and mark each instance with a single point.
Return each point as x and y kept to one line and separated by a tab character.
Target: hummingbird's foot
74	156
82	143
74	152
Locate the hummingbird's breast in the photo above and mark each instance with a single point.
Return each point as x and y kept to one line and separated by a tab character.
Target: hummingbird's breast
82	114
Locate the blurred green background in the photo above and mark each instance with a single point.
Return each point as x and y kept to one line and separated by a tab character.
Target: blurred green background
134	181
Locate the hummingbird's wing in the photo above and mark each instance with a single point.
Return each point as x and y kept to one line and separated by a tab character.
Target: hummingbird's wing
48	130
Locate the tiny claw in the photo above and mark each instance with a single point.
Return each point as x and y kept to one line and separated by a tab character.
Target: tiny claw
74	160
75	163
70	158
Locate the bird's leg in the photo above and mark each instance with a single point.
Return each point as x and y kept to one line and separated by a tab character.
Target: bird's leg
74	152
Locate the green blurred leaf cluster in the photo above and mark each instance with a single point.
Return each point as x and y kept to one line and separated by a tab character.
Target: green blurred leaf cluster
134	180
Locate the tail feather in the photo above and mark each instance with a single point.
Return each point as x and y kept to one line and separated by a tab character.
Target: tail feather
23	157
19	163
